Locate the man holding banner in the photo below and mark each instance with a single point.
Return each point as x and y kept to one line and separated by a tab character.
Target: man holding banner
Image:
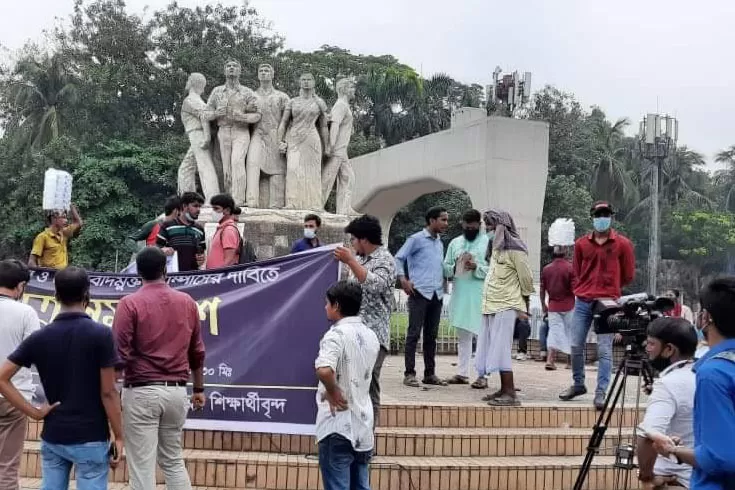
158	335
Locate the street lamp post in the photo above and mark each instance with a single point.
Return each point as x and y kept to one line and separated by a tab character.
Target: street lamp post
657	140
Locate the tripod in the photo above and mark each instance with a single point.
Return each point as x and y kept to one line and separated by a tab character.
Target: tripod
635	363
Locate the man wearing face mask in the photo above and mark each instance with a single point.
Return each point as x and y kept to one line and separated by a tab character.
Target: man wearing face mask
19	321
603	263
184	235
312	223
670	348
224	249
466	264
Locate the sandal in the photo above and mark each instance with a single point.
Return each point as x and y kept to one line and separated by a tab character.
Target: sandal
411	381
492	396
550	367
480	384
505	401
434	381
458	380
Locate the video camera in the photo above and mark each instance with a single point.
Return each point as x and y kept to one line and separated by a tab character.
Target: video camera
630	315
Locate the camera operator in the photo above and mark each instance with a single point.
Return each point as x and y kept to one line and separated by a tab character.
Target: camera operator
603	263
713	453
670	347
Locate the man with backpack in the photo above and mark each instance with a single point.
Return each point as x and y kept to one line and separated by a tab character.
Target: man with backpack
227	247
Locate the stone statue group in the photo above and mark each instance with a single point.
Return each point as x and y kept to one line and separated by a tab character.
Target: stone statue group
275	152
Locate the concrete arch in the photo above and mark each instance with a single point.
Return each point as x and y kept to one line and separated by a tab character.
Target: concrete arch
499	162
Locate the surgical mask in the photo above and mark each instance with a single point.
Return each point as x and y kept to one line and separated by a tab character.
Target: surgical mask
309	233
660	363
189	216
470	235
601	223
700	335
491	235
217	216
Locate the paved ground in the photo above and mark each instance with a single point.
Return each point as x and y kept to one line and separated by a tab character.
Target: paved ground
537	385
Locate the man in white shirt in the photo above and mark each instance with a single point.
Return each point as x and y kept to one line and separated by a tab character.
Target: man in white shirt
671	345
17	322
344	421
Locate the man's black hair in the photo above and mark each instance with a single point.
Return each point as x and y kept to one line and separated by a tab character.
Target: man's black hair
172	204
675	331
151	262
237	211
434	213
12	273
676	292
346	294
718	298
191	197
72	285
367	227
225	201
472	216
315	218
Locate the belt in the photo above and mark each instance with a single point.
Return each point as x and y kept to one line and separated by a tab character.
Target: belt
155	383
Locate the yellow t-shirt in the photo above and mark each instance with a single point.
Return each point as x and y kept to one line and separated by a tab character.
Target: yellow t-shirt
509	282
51	248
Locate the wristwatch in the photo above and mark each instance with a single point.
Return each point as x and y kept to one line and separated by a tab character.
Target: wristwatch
198	390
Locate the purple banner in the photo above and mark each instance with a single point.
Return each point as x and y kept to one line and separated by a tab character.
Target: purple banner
261	325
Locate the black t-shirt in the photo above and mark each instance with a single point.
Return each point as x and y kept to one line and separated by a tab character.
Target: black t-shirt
69	354
187	239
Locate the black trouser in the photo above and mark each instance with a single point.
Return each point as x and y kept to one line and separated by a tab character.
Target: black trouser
423	315
521	332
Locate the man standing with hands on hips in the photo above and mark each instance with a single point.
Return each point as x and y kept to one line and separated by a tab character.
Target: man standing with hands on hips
604	262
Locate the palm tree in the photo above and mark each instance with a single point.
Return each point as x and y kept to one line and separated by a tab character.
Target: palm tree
40	90
610	178
726	178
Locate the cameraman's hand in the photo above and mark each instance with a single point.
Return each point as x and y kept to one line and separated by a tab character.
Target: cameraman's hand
618	338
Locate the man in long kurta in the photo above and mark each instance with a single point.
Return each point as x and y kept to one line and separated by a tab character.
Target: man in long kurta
466	263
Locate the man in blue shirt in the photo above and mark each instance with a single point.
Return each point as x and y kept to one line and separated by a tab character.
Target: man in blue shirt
76	358
422	256
312	223
713	455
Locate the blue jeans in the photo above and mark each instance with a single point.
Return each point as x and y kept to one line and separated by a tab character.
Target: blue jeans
580	328
543	333
342	467
91	461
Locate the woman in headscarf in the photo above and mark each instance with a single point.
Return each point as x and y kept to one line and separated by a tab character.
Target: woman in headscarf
505	301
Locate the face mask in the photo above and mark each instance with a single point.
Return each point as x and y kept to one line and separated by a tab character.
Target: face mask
700	335
491	235
602	223
660	363
309	233
217	216
189	217
471	234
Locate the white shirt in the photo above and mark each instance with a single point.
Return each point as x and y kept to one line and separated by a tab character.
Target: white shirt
350	349
686	314
671	411
17	322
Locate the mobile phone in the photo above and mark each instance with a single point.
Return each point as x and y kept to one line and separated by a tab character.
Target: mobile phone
112	451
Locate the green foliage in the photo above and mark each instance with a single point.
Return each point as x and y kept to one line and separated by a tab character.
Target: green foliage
704	238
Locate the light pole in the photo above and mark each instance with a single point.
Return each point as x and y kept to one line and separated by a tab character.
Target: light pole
656	140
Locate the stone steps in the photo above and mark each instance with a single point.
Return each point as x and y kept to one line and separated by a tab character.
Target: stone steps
35	483
229	469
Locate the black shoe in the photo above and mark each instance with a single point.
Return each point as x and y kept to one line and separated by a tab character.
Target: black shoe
573	393
599	401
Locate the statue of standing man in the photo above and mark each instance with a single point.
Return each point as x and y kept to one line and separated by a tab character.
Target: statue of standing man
338	165
266	165
196	117
235	107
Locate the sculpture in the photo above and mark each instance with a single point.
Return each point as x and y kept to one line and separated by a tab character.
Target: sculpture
266	165
338	165
196	117
235	107
304	146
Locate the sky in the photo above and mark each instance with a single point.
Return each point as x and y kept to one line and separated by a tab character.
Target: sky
629	57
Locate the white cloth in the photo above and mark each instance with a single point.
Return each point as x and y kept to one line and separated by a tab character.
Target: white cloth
464	351
686	314
18	322
671	411
495	343
350	349
172	265
560	331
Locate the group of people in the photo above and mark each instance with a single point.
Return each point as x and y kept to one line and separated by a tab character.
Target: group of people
154	348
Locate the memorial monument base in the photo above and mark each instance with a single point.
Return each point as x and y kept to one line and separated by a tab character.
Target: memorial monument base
272	232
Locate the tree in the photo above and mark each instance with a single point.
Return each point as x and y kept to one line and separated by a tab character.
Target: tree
610	178
725	179
706	239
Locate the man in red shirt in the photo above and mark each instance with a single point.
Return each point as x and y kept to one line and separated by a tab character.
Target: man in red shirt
158	337
556	281
224	250
604	262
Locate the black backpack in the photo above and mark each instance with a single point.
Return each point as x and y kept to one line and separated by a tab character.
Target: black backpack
245	252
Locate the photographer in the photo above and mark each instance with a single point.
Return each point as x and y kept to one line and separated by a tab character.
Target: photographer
670	347
604	262
713	453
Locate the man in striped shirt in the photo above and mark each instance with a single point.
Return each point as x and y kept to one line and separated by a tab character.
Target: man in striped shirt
184	235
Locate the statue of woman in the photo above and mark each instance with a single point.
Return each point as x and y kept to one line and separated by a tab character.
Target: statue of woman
304	146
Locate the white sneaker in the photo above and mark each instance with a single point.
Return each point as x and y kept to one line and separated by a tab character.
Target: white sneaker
521	357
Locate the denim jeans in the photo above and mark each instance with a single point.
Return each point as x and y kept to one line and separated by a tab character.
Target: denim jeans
543	333
342	467
580	328
91	461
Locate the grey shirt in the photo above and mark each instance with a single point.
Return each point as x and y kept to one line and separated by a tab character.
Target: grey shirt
17	322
